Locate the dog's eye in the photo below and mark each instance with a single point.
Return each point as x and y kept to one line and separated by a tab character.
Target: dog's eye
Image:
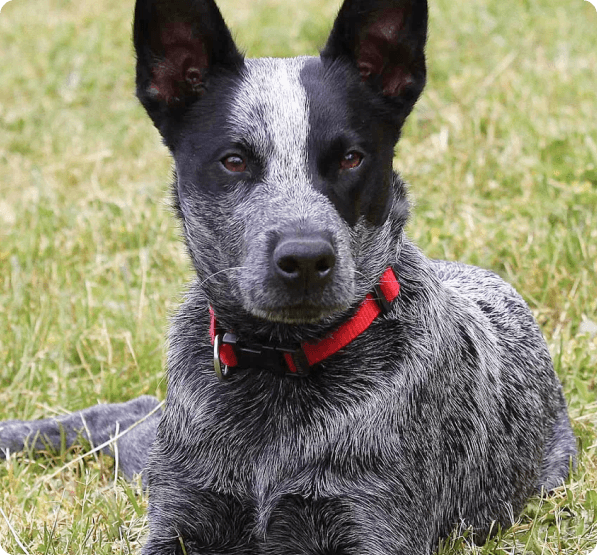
351	160
234	163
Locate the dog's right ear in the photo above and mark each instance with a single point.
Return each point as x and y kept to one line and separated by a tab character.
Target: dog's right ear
179	44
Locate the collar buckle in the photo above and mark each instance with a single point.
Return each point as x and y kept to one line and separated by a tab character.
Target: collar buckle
278	359
222	372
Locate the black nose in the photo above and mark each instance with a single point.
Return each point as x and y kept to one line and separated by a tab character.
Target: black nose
304	260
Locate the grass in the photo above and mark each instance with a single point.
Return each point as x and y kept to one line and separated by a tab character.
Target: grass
501	153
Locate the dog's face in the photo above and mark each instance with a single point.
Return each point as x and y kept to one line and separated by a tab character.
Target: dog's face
284	166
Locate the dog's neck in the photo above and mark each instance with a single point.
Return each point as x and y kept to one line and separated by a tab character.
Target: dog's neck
232	354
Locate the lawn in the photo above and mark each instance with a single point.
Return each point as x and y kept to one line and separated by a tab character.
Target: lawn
501	154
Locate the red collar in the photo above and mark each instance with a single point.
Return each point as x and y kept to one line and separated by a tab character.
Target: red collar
296	361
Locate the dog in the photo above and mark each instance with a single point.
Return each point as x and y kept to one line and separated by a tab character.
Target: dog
330	389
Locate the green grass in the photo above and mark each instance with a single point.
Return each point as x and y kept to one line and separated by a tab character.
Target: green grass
501	153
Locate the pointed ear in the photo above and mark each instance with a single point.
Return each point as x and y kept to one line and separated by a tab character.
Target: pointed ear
385	41
179	44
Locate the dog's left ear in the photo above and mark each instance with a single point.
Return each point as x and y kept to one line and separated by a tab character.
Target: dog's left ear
385	41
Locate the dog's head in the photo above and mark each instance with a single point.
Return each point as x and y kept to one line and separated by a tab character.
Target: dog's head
284	181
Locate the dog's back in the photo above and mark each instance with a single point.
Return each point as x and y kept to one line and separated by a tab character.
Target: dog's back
525	363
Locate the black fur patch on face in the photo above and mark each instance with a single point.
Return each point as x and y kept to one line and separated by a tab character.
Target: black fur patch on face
346	119
205	137
202	187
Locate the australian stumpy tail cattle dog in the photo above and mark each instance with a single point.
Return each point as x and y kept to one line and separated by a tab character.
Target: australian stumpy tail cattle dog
330	389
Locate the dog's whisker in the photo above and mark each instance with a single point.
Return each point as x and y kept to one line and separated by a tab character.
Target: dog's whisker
370	282
225	270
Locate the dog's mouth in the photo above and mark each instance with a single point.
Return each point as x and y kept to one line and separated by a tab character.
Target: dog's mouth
297	314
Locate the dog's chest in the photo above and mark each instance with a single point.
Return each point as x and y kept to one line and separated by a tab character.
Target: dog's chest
300	444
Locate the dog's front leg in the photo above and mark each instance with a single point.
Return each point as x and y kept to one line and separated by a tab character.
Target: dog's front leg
299	524
98	424
185	521
358	523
